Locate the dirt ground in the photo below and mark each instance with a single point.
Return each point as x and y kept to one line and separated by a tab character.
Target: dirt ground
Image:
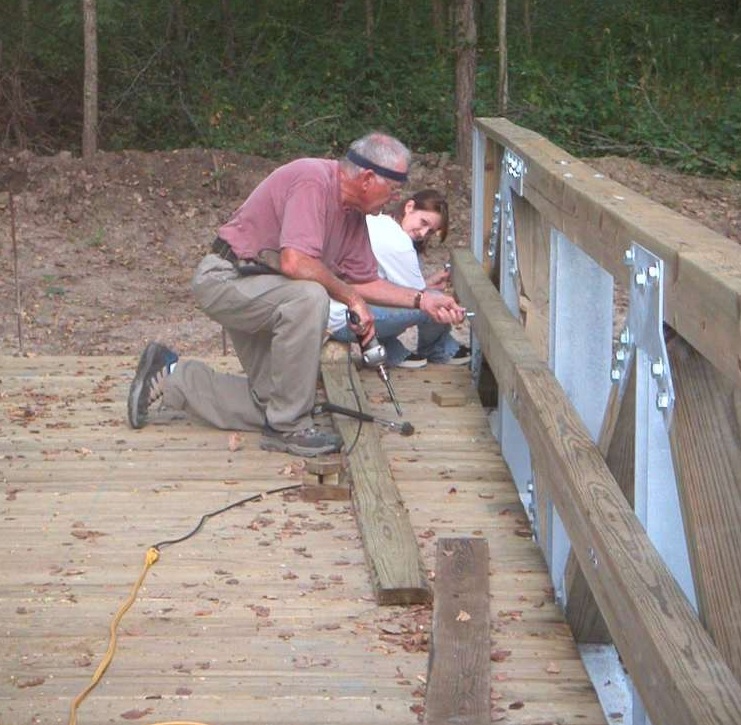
105	252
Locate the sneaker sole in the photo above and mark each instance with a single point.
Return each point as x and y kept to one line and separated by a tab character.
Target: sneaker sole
458	361
413	365
135	390
275	444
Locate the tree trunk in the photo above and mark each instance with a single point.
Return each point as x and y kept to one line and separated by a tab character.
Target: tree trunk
439	22
528	21
227	20
90	82
503	96
369	27
465	78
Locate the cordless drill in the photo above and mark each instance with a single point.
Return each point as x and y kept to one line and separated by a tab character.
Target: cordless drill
374	356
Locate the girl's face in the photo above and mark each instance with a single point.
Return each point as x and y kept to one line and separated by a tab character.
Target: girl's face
418	223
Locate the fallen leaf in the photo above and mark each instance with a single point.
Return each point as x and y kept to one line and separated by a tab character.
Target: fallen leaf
236	442
136	714
553	668
463	616
499	655
33	682
85	535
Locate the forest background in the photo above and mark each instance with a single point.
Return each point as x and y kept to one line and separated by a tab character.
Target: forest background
657	80
198	100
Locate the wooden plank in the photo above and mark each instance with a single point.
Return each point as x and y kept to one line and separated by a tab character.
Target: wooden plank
617	444
702	272
397	572
448	400
706	448
459	673
533	261
680	674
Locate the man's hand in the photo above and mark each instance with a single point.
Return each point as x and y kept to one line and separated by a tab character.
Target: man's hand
360	320
442	308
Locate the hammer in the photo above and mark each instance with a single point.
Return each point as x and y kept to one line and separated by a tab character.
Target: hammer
405	429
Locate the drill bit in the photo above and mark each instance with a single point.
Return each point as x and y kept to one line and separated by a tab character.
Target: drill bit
383	374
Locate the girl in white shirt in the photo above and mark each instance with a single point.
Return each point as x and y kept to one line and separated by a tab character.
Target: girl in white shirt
397	240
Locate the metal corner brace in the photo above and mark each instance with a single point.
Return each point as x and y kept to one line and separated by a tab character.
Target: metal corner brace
503	225
645	327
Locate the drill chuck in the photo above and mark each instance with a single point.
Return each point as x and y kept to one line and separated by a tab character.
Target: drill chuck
374	354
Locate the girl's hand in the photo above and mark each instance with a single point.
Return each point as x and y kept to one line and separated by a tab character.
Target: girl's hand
438	280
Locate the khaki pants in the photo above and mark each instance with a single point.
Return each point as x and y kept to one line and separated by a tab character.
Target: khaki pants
276	326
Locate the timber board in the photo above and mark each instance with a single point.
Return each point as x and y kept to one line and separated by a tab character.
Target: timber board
267	615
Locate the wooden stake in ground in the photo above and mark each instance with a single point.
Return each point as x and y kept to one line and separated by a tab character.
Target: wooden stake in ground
18	307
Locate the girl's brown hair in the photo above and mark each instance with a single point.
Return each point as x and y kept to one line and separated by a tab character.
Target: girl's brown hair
425	200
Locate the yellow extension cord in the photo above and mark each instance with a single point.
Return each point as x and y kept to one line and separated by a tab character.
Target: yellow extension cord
151	558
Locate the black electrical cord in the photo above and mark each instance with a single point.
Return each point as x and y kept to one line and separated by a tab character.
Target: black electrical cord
256	497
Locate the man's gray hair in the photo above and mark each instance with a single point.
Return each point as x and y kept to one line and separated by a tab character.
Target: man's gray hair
381	149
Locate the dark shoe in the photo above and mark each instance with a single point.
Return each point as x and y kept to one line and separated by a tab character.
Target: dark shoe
413	361
308	442
155	364
461	357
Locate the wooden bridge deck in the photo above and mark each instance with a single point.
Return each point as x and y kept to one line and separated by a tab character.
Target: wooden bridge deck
267	614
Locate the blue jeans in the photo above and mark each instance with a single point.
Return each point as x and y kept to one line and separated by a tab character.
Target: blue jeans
434	340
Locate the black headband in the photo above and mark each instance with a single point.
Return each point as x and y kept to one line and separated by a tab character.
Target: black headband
359	160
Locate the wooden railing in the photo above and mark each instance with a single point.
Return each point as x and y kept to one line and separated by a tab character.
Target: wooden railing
613	329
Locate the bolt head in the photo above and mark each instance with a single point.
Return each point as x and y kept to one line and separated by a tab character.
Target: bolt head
629	257
615	375
625	336
640	278
662	401
657	368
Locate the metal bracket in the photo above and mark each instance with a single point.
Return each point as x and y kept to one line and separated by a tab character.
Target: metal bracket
496	219
509	248
645	326
511	182
514	167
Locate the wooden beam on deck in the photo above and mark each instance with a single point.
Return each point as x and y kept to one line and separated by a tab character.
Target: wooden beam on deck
459	671
396	568
681	676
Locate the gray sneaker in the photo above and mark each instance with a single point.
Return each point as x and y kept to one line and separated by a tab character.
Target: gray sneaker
308	442
155	364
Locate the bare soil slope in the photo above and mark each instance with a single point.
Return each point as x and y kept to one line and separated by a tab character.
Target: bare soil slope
105	251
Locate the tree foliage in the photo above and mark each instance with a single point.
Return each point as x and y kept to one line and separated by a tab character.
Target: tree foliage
656	79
